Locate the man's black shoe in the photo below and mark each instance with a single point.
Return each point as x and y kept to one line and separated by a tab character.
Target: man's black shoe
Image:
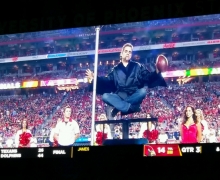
132	109
109	110
114	112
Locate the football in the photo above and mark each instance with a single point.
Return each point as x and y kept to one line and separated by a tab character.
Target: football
161	63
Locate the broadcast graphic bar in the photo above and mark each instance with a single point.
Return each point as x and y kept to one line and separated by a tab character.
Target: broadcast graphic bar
148	150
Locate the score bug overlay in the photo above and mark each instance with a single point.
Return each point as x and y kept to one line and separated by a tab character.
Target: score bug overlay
162	150
191	149
40	153
62	152
172	150
47	152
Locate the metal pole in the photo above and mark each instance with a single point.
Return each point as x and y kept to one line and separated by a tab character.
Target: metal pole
94	84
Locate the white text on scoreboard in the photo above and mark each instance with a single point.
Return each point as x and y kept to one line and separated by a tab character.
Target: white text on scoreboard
196	149
10	153
59	152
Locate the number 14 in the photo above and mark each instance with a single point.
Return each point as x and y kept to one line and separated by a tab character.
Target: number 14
161	149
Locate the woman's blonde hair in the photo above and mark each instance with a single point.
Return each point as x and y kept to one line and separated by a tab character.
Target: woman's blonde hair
104	117
201	114
100	126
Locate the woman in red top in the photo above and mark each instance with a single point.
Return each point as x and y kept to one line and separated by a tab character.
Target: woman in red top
190	130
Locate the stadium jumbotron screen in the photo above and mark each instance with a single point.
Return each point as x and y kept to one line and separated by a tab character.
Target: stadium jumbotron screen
155	81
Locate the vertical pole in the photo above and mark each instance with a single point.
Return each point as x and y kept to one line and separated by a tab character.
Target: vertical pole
94	85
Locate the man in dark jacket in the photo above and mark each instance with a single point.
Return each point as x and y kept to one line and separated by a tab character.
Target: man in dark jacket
123	89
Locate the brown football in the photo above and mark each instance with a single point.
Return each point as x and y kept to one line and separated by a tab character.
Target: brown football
161	63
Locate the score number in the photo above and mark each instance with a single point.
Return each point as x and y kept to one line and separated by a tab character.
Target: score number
40	153
168	150
40	150
161	150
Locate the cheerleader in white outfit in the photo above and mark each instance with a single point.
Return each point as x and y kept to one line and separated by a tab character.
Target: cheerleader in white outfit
147	126
24	128
204	124
99	127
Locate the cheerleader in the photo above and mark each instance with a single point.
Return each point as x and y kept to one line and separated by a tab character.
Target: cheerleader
190	129
99	127
148	127
204	125
24	129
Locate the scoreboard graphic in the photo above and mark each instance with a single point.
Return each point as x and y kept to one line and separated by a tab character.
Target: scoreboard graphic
151	150
148	150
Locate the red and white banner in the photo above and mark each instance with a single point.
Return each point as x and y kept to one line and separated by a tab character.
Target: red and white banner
59	82
112	50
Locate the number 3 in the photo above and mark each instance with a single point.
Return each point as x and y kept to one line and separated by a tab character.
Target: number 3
198	149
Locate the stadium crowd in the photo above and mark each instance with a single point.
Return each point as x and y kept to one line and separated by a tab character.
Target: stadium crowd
36	108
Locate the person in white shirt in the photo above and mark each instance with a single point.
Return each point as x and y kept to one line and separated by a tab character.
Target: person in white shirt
24	128
33	142
205	129
218	132
1	140
212	135
162	138
51	138
67	130
7	113
9	143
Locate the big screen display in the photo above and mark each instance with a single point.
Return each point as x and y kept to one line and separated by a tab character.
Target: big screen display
46	84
